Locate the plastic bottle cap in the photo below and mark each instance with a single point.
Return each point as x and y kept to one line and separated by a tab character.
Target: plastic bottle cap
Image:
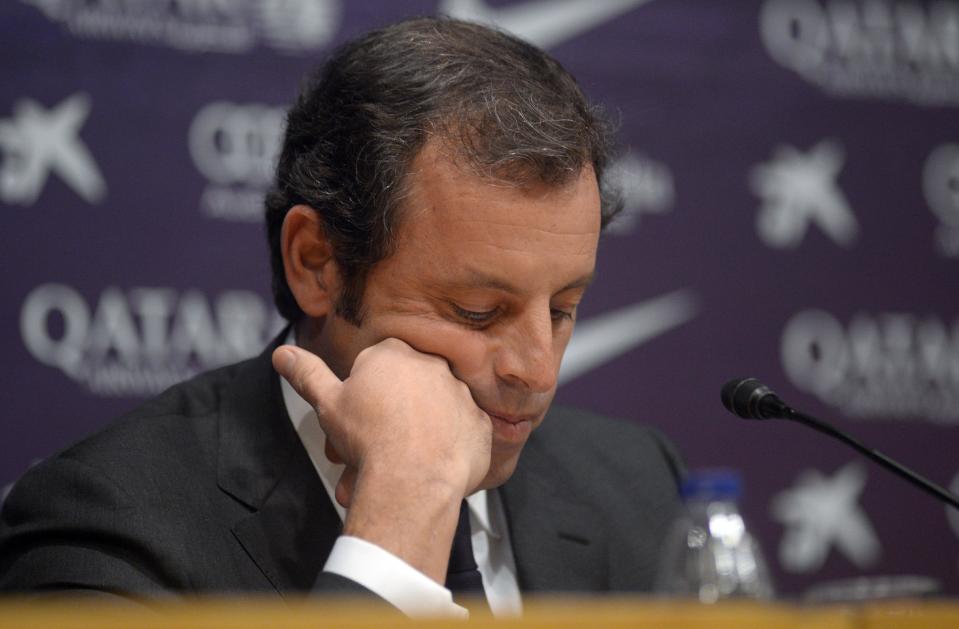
715	484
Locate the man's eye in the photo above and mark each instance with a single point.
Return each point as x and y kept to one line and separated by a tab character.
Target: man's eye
474	317
562	315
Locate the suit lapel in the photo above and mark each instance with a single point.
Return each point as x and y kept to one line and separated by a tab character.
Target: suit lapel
262	463
557	542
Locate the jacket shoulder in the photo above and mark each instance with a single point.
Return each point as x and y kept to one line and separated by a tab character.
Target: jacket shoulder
124	509
180	421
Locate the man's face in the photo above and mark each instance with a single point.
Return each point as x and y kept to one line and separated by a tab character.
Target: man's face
488	276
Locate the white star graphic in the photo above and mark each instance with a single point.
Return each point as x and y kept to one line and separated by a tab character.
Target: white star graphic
820	512
36	142
798	189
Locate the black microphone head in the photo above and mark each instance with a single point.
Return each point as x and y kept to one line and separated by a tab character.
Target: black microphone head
744	397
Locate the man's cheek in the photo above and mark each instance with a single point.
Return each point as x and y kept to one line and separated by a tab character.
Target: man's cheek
467	351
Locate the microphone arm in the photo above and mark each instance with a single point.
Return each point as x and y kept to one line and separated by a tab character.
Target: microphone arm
750	399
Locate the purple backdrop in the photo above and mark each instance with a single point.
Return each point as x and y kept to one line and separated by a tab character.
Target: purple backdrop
791	172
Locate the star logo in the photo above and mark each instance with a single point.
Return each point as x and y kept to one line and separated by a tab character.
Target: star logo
36	142
798	189
820	512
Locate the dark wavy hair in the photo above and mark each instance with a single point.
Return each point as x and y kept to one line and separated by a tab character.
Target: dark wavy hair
508	110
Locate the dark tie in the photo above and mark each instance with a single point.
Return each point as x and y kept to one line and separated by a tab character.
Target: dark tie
462	575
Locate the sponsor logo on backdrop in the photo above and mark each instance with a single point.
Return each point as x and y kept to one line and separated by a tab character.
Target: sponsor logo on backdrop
868	48
878	366
546	23
228	26
235	146
646	187
799	190
602	338
940	182
819	513
37	142
139	341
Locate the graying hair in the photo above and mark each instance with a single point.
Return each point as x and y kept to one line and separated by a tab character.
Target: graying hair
508	109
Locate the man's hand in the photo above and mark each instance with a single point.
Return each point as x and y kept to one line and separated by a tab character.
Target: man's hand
413	441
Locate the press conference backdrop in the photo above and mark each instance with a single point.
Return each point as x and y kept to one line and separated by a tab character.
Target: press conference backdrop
791	176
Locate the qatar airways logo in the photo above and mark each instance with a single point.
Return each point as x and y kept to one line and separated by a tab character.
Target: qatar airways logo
645	186
137	342
878	366
235	146
940	182
889	49
226	26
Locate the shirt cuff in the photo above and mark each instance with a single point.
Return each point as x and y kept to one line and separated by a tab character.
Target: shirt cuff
391	578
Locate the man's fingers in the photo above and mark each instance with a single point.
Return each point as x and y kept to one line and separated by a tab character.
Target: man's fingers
308	375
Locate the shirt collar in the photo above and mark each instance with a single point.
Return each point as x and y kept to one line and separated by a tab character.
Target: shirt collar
479	504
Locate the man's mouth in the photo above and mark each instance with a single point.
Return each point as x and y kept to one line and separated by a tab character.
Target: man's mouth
511	428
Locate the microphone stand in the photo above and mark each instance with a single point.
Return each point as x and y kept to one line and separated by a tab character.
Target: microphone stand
897	468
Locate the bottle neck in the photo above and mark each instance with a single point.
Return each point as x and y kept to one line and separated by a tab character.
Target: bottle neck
711	505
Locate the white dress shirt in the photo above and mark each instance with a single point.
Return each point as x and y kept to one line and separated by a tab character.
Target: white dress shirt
385	574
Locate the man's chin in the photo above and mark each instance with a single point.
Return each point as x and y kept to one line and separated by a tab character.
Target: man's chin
510	435
501	467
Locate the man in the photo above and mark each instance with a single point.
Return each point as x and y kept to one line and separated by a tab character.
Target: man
433	228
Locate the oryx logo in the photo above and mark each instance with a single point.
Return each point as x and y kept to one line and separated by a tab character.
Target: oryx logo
545	23
940	182
868	48
140	341
800	189
820	513
235	147
228	26
885	366
600	339
645	186
37	142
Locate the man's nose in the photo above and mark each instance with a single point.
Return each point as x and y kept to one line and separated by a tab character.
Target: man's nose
527	355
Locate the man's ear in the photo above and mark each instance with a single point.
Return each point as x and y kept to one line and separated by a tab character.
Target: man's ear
311	271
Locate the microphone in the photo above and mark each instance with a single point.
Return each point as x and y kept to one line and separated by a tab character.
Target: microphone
751	399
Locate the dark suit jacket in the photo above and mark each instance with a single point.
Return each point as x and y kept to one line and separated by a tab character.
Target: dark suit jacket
207	488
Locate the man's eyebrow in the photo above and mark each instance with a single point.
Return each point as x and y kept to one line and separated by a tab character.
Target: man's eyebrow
478	279
581	282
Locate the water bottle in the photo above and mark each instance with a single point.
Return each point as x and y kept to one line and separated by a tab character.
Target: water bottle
709	555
